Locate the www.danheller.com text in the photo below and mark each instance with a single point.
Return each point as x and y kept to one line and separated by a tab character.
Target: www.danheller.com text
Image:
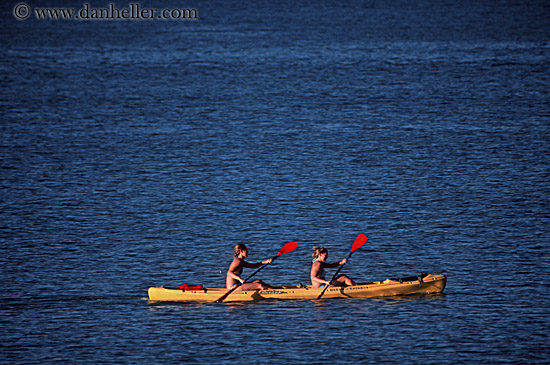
134	11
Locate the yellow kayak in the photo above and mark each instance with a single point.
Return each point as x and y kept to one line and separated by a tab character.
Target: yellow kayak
422	284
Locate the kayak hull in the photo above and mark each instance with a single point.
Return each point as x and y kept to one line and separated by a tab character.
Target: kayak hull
425	284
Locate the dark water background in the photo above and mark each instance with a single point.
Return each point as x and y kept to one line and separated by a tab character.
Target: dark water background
138	153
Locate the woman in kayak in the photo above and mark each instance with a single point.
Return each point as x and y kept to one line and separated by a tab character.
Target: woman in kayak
320	255
236	269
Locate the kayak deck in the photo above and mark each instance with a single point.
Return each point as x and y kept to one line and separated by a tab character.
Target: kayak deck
422	284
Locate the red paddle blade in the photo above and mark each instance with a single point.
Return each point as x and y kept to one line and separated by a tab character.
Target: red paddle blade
359	242
288	247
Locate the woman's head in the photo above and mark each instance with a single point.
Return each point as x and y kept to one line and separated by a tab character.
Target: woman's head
240	247
318	251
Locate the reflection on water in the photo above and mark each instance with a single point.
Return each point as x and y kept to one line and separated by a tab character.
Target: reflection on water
412	297
161	306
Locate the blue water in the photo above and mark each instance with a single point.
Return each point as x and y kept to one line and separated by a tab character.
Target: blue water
138	153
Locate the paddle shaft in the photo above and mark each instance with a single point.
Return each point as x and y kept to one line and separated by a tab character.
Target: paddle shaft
255	272
358	243
334	277
221	299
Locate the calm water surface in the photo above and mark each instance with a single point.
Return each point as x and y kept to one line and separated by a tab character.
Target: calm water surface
138	153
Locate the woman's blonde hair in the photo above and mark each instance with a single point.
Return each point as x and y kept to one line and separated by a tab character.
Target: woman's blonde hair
318	251
240	247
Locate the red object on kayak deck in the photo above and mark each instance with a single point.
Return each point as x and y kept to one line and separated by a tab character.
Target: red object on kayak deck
190	287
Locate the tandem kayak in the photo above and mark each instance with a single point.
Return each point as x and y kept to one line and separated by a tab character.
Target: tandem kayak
421	284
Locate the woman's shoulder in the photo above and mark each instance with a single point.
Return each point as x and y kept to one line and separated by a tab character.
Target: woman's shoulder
237	261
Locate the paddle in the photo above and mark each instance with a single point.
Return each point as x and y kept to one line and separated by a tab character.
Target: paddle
288	247
358	243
